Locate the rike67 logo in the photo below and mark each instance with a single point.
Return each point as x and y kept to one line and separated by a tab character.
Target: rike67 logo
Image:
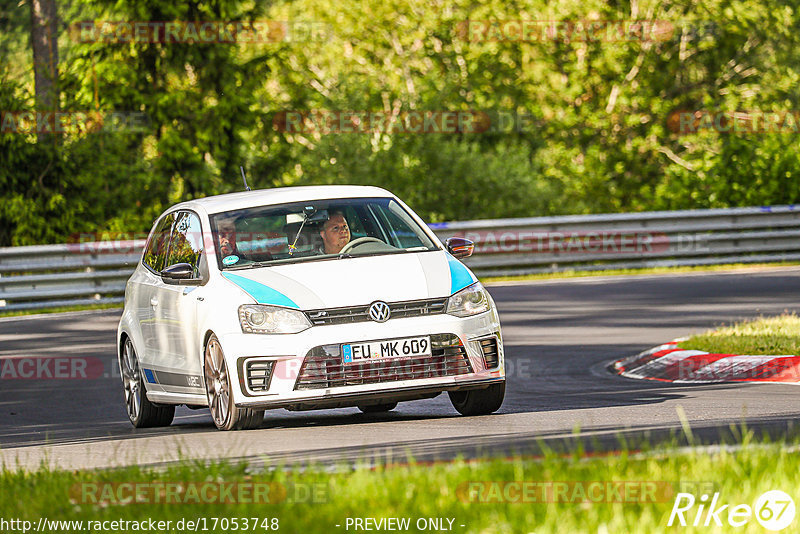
774	510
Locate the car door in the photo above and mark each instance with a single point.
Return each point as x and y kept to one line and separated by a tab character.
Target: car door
177	339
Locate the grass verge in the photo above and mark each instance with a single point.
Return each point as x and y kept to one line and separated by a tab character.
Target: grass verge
614	493
628	272
762	336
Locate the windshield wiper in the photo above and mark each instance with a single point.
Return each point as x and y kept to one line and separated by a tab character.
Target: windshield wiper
347	255
249	265
282	261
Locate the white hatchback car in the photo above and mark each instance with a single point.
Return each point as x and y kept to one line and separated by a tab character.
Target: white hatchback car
303	298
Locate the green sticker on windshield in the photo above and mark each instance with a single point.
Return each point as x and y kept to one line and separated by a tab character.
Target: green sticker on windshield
230	260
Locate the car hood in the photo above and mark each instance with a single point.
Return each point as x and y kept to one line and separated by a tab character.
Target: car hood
354	281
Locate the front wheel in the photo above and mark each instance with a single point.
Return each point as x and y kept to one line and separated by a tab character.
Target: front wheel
141	412
226	415
479	401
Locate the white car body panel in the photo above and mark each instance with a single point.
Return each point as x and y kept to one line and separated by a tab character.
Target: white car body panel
169	336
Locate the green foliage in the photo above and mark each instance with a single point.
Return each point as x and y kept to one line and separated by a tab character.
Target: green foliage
597	137
441	177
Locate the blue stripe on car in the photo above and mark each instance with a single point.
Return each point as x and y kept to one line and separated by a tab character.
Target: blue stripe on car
460	277
263	294
148	374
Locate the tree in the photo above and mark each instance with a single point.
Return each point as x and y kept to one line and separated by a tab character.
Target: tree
44	39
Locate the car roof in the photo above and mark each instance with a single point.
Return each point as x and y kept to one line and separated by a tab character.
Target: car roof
280	195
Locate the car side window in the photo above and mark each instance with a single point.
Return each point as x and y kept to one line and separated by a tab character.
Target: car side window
186	244
157	247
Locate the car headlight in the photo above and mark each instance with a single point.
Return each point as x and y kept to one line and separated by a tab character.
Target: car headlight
469	301
261	319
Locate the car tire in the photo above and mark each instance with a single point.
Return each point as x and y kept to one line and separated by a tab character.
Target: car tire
378	408
226	415
141	412
479	401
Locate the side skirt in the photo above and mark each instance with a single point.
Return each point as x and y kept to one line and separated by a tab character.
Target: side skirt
177	398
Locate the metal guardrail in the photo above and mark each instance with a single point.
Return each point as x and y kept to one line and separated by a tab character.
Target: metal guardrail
46	276
49	276
630	240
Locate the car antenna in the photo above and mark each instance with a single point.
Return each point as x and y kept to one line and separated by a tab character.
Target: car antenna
246	187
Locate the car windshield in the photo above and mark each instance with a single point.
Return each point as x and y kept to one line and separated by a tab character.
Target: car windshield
315	230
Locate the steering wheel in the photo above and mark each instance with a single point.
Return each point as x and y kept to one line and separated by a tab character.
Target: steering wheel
355	242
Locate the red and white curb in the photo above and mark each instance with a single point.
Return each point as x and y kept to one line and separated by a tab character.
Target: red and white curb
668	363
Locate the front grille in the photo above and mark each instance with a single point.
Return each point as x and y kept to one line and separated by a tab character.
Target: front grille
359	314
323	366
259	373
490	353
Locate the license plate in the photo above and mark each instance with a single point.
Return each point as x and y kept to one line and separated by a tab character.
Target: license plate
390	348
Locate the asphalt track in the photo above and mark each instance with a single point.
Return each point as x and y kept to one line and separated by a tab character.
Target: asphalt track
559	336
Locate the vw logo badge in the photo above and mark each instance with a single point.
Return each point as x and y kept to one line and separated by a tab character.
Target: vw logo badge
379	312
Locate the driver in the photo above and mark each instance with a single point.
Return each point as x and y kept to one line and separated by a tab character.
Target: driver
335	233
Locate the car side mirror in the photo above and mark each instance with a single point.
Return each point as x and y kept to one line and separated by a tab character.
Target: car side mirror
460	247
178	272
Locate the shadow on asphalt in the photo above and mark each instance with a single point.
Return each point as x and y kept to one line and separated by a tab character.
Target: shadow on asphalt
538	381
608	439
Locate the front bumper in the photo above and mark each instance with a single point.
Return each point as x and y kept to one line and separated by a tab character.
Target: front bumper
287	353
